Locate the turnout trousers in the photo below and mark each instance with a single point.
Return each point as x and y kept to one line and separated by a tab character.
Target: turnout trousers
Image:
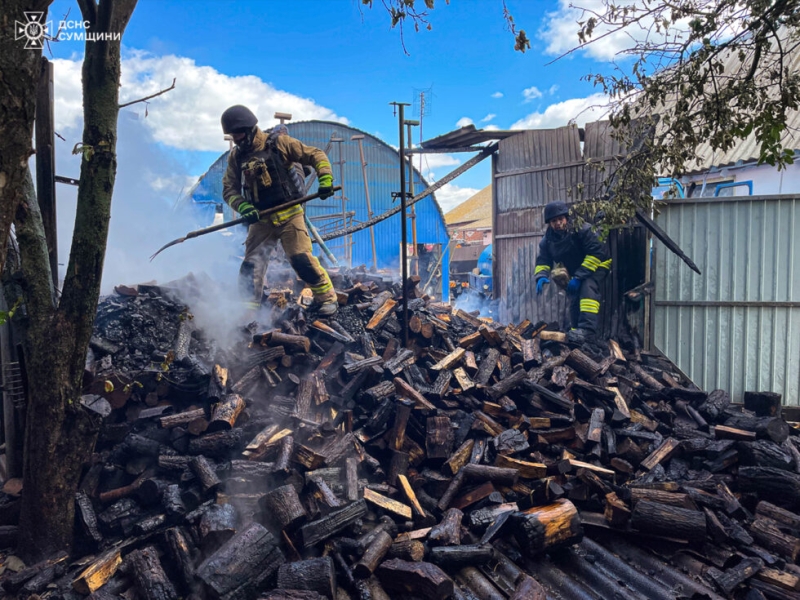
585	306
293	236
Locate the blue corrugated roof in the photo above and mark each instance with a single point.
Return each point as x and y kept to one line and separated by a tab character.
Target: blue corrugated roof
383	178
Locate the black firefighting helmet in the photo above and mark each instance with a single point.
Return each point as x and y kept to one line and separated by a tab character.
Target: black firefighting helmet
555	209
238	119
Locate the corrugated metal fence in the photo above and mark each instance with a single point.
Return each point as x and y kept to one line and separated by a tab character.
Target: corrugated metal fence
532	169
736	327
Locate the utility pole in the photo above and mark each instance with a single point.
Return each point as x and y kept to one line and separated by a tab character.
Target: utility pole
400	106
415	260
425	104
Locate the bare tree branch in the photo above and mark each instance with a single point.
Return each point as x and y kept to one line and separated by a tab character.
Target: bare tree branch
151	96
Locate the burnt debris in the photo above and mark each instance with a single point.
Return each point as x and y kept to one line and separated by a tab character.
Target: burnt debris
322	459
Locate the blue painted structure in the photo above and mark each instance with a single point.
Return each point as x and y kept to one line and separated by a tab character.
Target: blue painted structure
383	178
482	281
206	195
721	186
667	187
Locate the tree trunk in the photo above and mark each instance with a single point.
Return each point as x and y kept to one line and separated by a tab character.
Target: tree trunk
20	68
60	434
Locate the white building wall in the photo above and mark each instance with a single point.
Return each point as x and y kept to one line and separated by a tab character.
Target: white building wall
767	180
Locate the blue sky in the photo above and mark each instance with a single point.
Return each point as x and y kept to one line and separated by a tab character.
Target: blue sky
323	59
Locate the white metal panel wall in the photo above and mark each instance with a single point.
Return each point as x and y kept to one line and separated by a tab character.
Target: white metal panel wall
737	326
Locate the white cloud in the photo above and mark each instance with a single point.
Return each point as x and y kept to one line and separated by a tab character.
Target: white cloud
553	89
561	29
437	161
68	94
488	118
497	95
433	162
491	128
187	117
531	93
464	121
450	196
579	110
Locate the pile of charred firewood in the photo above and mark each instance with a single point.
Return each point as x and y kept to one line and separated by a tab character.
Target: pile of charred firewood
326	459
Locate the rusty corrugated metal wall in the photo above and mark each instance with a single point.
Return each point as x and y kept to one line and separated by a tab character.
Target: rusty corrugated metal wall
532	169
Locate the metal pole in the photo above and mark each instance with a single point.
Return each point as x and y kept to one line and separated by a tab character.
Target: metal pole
45	163
360	140
415	258
403	233
347	255
320	242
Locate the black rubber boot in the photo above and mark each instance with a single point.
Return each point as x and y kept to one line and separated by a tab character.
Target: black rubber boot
579	337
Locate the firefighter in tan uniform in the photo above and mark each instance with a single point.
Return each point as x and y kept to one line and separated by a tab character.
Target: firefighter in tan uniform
264	171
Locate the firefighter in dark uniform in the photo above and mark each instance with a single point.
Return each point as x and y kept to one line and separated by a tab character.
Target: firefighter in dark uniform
584	257
264	171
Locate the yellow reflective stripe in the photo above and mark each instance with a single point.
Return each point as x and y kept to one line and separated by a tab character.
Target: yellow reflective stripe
323	164
289	212
541	268
251	305
591	262
606	264
323	288
590	306
284	215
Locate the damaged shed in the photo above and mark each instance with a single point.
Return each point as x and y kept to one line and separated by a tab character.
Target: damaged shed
541	166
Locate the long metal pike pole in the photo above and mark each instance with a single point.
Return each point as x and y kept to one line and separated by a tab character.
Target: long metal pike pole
403	233
240	220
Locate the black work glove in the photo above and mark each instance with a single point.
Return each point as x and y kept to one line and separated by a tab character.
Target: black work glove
248	212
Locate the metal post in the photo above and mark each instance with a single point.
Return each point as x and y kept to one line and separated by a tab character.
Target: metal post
413	215
360	140
320	242
403	233
347	240
45	163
